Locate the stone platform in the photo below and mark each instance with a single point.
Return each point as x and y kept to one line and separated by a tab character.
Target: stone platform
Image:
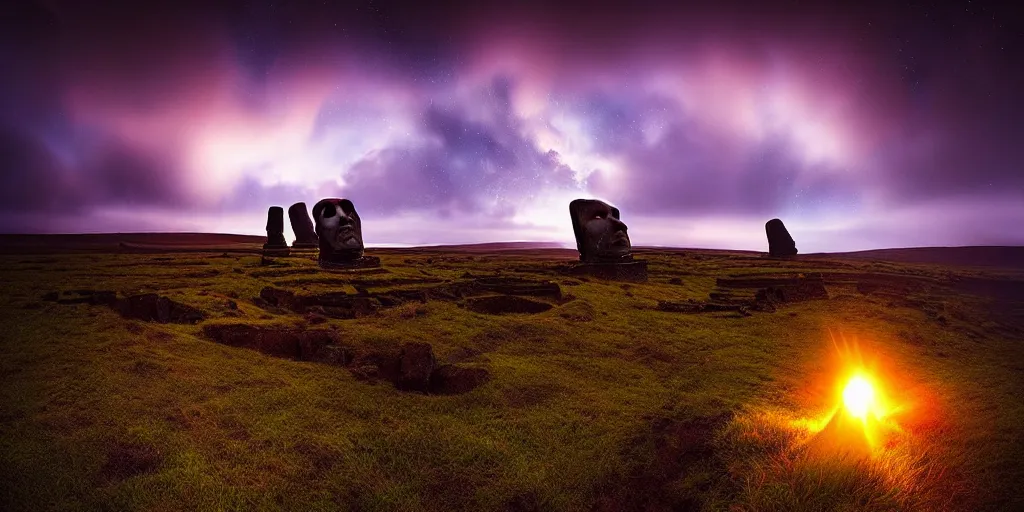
363	262
275	250
633	271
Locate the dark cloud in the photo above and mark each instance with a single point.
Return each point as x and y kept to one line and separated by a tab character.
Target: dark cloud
100	104
31	177
692	168
467	165
34	179
122	175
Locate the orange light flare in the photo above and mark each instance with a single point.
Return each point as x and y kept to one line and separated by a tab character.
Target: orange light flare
863	414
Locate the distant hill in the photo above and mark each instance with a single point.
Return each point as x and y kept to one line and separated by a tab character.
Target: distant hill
113	242
976	256
497	246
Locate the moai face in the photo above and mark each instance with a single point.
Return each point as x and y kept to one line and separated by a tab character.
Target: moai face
600	235
338	229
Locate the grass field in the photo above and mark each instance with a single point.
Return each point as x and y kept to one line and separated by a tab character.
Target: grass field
602	402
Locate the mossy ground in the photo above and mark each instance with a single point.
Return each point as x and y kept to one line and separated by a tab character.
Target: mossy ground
99	412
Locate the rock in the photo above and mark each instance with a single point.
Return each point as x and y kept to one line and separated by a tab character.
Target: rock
94	297
417	363
302	227
766	281
336	305
314	342
633	271
387	362
451	379
518	286
807	289
701	307
287	342
334	355
780	243
154	308
506	304
365	371
315	318
277	297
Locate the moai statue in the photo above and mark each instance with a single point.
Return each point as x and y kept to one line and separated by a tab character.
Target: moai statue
276	244
600	235
340	234
603	242
302	226
780	243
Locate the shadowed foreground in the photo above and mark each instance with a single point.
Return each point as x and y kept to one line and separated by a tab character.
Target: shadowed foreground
691	391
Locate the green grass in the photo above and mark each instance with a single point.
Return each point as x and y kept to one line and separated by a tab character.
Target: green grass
585	400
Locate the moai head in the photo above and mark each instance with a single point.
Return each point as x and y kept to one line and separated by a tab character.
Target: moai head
339	231
275	228
780	243
302	226
600	235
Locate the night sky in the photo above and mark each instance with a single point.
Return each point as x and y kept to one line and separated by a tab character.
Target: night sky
861	127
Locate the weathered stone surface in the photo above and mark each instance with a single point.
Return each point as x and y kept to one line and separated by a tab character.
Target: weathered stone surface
633	271
766	280
518	286
360	262
330	304
506	304
780	243
276	244
93	297
154	308
277	297
366	372
333	354
700	307
288	342
600	236
809	289
378	363
336	304
302	227
339	232
453	379
417	363
315	318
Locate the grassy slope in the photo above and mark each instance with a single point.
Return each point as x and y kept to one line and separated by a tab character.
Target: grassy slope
101	413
